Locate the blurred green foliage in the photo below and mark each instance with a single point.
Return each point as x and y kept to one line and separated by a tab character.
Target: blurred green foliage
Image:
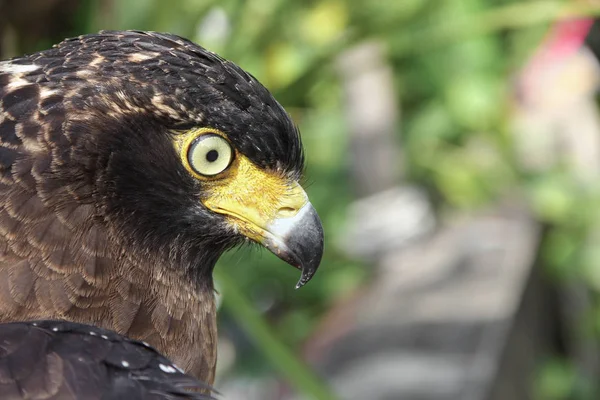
452	62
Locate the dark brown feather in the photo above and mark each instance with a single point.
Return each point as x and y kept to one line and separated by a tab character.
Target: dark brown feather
75	361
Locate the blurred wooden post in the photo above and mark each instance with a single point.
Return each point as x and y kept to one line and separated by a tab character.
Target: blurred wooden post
557	124
372	115
387	215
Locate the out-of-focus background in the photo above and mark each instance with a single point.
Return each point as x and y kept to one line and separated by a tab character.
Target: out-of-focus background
453	152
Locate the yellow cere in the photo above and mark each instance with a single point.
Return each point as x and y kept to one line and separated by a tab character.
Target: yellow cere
251	197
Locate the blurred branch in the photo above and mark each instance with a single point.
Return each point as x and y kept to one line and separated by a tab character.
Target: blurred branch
253	27
408	40
297	373
514	16
320	59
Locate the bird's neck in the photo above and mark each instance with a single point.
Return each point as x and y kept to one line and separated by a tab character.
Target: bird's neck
168	311
175	316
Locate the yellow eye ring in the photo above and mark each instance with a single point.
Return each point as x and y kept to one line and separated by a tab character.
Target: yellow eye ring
206	153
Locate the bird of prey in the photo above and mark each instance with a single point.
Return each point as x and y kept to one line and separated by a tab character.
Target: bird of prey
129	162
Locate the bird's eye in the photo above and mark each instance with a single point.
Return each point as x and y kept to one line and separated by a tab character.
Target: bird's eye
209	154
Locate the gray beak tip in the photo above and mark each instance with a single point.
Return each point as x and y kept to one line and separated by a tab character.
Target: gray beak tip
299	242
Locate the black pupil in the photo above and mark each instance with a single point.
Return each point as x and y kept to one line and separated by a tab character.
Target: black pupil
212	156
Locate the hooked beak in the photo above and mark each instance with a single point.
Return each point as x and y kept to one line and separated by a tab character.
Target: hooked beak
297	240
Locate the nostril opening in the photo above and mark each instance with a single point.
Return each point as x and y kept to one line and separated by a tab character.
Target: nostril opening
286	212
